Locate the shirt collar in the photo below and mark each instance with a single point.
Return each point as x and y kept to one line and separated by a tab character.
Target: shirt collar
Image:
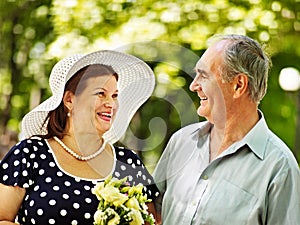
256	138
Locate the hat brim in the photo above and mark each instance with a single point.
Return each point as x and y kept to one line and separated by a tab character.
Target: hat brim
136	83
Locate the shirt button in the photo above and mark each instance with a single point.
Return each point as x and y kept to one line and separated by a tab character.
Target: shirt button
205	177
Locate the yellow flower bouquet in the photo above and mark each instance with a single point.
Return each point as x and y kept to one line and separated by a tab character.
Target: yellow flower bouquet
120	203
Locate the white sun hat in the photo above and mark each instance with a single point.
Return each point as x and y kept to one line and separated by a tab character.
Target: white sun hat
136	83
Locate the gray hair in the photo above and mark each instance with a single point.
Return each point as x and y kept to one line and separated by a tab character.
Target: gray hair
245	55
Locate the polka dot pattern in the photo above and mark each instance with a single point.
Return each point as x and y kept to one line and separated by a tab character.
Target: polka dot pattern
55	197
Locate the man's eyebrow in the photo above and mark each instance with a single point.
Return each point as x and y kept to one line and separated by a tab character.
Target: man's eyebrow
201	71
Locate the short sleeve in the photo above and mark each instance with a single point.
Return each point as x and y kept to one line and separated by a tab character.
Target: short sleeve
129	164
17	166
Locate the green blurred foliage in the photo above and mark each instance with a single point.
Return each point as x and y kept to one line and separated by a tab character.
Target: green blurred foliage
166	34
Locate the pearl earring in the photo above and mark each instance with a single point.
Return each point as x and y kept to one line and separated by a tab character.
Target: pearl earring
68	114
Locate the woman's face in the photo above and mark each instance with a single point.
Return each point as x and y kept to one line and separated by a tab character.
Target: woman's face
95	105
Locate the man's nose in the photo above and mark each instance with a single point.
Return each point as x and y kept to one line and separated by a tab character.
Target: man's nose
195	85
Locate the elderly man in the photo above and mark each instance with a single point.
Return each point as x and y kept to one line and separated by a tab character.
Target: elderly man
230	169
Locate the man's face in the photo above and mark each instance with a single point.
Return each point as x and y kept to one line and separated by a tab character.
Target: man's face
214	93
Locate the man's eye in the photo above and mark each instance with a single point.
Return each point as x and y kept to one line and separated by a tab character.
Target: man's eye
115	95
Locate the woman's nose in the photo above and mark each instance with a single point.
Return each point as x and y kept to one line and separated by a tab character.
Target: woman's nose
110	102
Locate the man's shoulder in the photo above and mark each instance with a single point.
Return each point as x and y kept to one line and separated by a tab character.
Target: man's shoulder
193	128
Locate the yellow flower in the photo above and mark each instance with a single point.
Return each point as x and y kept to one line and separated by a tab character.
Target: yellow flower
100	217
133	203
112	195
137	218
99	186
116	219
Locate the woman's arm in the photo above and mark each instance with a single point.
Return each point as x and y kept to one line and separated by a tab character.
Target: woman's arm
153	211
11	199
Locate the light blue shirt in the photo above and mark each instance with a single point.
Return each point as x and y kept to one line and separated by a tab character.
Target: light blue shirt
255	181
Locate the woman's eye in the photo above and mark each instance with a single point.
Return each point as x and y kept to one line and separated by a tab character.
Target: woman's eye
100	93
115	95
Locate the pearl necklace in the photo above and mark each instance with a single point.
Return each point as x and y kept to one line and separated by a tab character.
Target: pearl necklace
75	155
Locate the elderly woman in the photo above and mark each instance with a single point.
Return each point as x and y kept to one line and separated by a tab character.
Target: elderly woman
68	139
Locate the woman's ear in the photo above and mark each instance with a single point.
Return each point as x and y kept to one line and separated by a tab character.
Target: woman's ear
68	100
240	85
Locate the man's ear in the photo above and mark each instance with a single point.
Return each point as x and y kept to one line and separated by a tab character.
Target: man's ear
68	100
240	85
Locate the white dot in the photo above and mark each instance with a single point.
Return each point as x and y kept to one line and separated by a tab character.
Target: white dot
129	160
65	196
43	194
26	150
40	212
17	151
149	181
16	163
16	173
59	174
25	173
5	177
76	205
26	185
51	221
88	200
130	178
67	183
55	188
121	153
48	180
36	188
32	221
35	148
74	222
32	156
133	165
138	162
43	156
63	212
52	202
31	203
87	187
123	167
41	172
35	165
52	164
76	192
144	177
24	161
117	174
87	215
5	166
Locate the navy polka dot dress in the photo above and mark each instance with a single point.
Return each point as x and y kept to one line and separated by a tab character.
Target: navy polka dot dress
55	197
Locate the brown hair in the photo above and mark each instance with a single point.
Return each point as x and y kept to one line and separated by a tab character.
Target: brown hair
56	119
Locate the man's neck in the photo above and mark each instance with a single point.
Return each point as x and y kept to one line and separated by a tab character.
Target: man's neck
236	127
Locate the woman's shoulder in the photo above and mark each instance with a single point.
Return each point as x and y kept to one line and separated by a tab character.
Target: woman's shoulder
125	152
26	147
